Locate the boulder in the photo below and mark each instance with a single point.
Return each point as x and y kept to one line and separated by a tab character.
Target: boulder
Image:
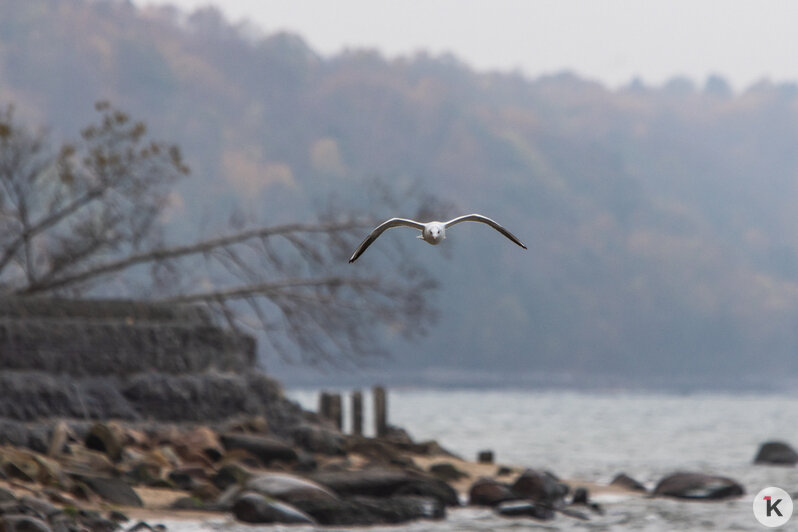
229	475
622	480
199	441
776	453
58	439
489	492
23	523
539	486
446	471
698	486
187	478
108	438
111	489
254	508
525	508
385	483
319	439
366	511
6	495
287	487
265	448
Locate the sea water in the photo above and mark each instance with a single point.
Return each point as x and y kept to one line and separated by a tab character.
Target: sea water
591	437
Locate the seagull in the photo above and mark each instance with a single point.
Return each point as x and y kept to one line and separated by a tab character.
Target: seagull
431	232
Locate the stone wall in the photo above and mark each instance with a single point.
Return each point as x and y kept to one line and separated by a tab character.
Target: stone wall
82	338
86	360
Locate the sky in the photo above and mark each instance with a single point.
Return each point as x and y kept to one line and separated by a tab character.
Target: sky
611	41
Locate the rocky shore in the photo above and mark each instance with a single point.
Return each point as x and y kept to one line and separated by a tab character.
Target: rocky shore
163	414
94	476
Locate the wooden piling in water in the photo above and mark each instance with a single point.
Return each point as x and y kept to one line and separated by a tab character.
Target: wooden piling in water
357	413
336	410
380	411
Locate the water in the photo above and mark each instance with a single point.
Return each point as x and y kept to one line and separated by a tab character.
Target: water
593	436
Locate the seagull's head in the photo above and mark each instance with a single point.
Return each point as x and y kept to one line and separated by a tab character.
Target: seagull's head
434	233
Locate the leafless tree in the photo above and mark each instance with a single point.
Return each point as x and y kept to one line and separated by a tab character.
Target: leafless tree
86	221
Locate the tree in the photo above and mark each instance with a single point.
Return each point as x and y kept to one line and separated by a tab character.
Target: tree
86	220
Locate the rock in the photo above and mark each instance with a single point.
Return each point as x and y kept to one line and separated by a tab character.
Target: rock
108	438
319	439
23	523
205	491
111	489
142	526
264	448
503	471
42	507
287	488
446	471
485	457
81	459
385	483
145	472
229	475
199	440
525	508
488	492
116	515
539	486
365	511
187	478
580	496
622	480
58	439
255	508
698	486
6	495
776	453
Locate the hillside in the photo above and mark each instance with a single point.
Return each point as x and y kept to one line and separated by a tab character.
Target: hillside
659	220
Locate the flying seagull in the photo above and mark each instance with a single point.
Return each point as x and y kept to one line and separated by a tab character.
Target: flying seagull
431	232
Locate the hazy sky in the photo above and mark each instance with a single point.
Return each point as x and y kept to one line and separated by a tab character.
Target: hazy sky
611	41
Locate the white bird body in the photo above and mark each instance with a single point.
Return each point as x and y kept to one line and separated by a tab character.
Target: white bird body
431	232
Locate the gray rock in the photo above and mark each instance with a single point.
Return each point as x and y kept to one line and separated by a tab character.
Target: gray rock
287	488
446	471
318	439
385	483
229	475
254	508
489	492
111	489
366	511
776	453
622	480
264	448
23	523
540	486
698	486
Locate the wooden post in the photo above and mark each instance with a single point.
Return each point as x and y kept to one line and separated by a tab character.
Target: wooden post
324	405
336	410
357	413
380	411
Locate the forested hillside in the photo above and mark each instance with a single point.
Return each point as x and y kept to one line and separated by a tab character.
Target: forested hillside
661	221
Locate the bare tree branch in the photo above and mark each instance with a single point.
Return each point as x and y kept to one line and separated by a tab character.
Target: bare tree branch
85	220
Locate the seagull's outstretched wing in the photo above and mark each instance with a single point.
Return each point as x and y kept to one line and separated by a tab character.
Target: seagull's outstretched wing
393	222
484	220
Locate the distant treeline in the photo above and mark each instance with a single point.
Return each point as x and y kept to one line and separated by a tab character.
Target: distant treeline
661	221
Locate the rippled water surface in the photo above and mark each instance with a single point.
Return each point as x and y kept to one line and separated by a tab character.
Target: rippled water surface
591	437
